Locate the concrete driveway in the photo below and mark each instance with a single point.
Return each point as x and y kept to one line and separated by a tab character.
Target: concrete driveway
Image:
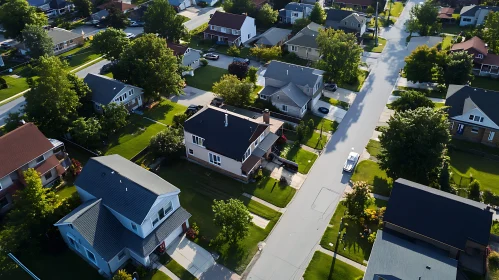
225	60
94	68
342	95
197	16
194	96
335	113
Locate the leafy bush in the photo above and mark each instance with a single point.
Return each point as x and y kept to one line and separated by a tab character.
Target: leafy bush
234	51
240	69
122	275
474	191
283	181
76	167
179	119
288	126
252	74
371	238
169	142
203	62
259	174
142	271
3	83
493	260
193	231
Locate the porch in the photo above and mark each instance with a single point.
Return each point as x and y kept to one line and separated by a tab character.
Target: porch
222	38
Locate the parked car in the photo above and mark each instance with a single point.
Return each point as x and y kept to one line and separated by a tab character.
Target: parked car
323	110
211	56
130	35
331	87
243	60
217	101
351	161
6	45
136	23
192	109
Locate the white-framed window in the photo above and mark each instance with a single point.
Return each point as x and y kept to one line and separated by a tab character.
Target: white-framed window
295	14
257	141
294	48
490	138
215	159
466	19
197	140
48	175
477	118
91	256
168	208
3	202
471	117
40	159
121	255
480	56
155	221
224	30
212	27
284	108
191	151
474	129
73	243
262	136
247	153
248	36
1	186
134	226
481	119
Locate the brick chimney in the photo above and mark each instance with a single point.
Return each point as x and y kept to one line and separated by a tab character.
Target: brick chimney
266	116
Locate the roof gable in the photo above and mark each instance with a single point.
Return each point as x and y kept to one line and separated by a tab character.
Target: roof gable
299	75
104	89
59	35
227	20
177	48
307	37
470	11
298	7
295	95
485	100
474	43
337	15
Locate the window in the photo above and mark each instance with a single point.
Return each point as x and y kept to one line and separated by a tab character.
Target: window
48	175
294	48
480	56
197	140
451	125
134	226
295	14
191	152
262	136
40	159
248	36
490	138
212	27
161	213
477	118
71	226
284	108
481	119
215	159
121	255
264	97
247	153
358	25
73	242
466	19
3	202
91	256
257	141
474	129
168	208
155	221
471	117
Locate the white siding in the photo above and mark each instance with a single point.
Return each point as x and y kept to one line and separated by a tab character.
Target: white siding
147	227
292	110
5	182
137	257
487	122
115	263
464	23
46	155
53	171
136	93
248	29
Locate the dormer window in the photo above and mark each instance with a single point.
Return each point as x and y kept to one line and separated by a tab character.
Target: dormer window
479	56
476	118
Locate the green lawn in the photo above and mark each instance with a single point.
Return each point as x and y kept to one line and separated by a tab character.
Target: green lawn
321	123
199	186
373	148
325	267
315	141
205	77
447	43
160	275
438	105
15	86
464	165
178	270
81	55
463	144
369	171
271	191
361	77
66	191
397	9
338	103
372	47
454	29
485	83
305	159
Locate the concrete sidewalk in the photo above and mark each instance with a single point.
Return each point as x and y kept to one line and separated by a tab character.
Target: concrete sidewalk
403	82
341	258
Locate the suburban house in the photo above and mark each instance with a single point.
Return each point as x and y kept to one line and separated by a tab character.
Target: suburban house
27	147
99	16
63	40
473	114
190	57
230	143
348	21
274	37
292	88
358	5
445	15
475	15
106	90
180	5
231	29
127	212
293	11
52	8
304	43
120	5
484	63
434	241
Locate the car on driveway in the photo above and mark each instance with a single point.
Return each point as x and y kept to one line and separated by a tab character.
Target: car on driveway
243	60
323	110
331	87
351	161
192	109
211	56
6	45
136	23
130	35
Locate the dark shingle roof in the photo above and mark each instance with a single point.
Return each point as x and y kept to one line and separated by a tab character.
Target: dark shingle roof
103	88
273	36
438	215
296	74
307	36
486	100
473	43
337	15
231	141
228	20
123	186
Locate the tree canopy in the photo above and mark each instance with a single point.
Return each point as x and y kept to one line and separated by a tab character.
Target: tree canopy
239	6
267	16
16	14
491	31
111	42
423	19
37	40
340	54
87	131
149	64
421	64
358	200
411	100
414	143
83	7
114	117
266	54
161	18
474	191
458	68
234	91
116	18
240	69
51	103
233	218
167	143
300	24
318	15
13	121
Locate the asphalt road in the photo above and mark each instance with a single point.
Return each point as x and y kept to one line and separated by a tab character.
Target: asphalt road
292	243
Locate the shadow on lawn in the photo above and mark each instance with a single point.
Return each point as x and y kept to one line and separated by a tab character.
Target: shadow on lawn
136	126
382	186
160	111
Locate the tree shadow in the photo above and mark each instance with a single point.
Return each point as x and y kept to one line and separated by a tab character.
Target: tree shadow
382	186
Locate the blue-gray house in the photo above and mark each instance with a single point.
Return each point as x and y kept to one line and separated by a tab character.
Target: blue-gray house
294	11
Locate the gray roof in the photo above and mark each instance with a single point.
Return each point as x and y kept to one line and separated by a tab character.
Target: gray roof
123	186
273	36
103	88
307	36
299	75
100	15
485	100
95	222
298	7
268	90
191	56
395	258
59	35
337	15
470	11
295	96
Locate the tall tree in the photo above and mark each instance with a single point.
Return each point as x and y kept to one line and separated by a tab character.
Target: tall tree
87	131
414	143
51	103
491	31
474	190
318	15
167	143
37	40
340	54
358	200
411	100
444	178
459	68
84	95
266	54
149	64
234	91
114	117
267	16
279	4
83	7
240	69
162	19
300	24
16	14
423	19
13	121
239	6
420	64
111	42
233	218
116	18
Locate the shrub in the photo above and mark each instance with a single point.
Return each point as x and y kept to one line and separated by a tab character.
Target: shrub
283	181
493	260
474	191
252	74
288	126
3	83
122	275
75	167
142	271
259	174
234	51
240	69
193	231
203	62
179	119
372	237
202	4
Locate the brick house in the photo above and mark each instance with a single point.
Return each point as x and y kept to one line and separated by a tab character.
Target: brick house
473	114
484	63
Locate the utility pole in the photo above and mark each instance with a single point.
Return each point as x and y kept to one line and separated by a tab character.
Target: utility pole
376	26
20	264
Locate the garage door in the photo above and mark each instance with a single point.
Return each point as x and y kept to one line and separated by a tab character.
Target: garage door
173	235
316	99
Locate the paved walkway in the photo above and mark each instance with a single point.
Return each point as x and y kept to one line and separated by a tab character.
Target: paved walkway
269	205
341	258
166	271
403	82
436	100
259	221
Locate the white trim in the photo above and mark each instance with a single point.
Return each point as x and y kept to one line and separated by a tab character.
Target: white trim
212	158
284	108
473	129
196	140
491	135
94	261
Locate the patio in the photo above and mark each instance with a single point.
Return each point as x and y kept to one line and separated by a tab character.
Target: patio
295	179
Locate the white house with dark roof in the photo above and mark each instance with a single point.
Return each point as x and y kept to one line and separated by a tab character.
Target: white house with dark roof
106	90
127	212
230	29
292	89
293	11
475	15
190	57
304	43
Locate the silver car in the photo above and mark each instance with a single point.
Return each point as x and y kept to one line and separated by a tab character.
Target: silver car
352	160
